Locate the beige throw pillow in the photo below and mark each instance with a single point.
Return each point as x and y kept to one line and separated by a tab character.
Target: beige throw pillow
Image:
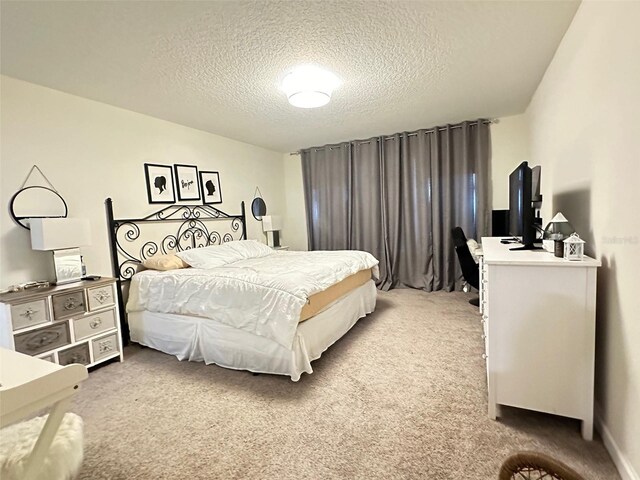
164	262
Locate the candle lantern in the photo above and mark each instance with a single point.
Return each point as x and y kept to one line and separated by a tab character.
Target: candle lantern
574	248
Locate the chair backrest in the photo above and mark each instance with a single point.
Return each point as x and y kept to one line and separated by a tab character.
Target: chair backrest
459	238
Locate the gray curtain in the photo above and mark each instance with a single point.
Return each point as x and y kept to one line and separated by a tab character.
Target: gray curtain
398	197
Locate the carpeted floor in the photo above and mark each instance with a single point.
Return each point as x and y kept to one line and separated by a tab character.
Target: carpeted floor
403	395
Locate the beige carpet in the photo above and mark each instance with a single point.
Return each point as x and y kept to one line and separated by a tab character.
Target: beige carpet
403	395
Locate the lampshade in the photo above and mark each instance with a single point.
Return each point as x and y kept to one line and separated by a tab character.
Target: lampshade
309	86
271	223
59	233
558	228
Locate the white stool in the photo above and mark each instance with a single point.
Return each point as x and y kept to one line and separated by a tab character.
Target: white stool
63	459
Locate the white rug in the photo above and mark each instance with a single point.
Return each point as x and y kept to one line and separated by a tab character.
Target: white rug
64	459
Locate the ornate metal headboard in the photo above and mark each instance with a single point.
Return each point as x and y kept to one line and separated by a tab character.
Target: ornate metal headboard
171	229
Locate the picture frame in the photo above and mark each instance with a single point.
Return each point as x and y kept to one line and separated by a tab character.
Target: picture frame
187	184
210	186
159	180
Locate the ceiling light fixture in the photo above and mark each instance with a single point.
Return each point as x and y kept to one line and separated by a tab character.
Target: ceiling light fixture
309	86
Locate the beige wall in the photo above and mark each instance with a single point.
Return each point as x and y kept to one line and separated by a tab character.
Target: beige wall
509	148
585	134
91	151
295	227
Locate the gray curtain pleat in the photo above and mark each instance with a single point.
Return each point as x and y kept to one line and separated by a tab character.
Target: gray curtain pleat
326	175
399	197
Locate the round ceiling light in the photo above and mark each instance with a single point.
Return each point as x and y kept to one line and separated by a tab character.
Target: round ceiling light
309	86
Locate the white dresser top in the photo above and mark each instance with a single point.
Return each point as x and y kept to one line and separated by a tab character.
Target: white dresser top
498	253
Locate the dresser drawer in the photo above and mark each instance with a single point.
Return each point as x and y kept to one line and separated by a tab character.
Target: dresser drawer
104	346
77	354
100	297
29	314
91	325
68	304
43	339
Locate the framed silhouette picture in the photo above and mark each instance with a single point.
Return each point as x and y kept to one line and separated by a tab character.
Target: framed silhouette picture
187	182
210	186
159	183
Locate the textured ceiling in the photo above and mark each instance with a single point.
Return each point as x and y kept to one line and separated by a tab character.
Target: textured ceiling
216	66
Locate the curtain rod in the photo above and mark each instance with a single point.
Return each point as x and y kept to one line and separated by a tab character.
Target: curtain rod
413	134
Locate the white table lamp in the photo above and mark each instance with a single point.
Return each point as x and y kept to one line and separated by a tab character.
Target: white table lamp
63	236
272	224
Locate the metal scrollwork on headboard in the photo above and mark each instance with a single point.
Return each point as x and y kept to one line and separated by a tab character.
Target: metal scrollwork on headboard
172	229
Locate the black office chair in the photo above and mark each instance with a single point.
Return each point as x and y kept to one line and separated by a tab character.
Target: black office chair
467	263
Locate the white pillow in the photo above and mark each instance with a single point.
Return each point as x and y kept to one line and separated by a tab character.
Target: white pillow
219	255
474	249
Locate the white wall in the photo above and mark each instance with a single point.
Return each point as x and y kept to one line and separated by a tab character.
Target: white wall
91	151
585	134
295	228
509	148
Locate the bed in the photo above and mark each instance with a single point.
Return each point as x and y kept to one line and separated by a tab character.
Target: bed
240	305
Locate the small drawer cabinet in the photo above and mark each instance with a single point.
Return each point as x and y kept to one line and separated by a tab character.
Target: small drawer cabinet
73	323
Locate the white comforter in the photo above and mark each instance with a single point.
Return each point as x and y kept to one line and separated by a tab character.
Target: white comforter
263	294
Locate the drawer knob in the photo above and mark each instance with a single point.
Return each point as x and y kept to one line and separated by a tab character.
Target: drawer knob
29	313
42	340
101	296
105	346
95	323
71	303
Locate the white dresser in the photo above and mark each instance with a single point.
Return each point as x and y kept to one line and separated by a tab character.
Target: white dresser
73	323
538	314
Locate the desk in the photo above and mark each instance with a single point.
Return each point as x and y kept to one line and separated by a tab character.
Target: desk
538	316
28	385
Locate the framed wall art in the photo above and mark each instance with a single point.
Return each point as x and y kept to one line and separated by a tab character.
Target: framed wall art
187	182
159	180
210	186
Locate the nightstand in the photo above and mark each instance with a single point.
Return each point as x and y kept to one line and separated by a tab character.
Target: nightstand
280	248
73	323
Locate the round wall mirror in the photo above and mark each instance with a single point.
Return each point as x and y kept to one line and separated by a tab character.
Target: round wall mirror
258	208
36	202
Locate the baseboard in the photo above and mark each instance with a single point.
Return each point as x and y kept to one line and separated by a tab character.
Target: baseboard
625	469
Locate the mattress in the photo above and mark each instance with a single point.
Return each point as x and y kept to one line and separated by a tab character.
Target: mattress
321	300
204	340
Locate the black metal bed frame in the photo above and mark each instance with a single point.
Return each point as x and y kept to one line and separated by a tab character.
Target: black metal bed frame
191	232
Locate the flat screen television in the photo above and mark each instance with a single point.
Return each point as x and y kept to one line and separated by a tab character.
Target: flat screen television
521	211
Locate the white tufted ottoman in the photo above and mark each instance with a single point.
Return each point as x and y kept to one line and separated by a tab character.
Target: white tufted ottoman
63	459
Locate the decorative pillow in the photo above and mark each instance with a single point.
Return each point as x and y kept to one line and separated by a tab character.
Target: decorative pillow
164	262
229	252
474	249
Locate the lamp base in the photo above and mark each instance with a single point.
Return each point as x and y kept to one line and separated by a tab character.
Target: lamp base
558	249
68	265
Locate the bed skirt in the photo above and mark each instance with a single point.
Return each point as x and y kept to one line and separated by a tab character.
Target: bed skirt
204	340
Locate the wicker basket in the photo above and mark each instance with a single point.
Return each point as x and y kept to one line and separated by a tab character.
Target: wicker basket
536	466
